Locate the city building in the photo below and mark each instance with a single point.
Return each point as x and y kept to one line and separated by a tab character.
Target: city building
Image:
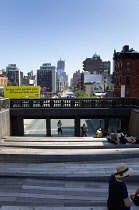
60	67
30	79
14	74
95	65
98	83
46	79
62	77
3	78
126	73
3	81
76	78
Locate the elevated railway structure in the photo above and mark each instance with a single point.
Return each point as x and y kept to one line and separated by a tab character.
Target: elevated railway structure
71	108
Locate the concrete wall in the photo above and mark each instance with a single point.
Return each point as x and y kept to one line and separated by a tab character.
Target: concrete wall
133	129
4	123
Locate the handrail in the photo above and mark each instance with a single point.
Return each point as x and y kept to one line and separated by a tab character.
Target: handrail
75	103
4	103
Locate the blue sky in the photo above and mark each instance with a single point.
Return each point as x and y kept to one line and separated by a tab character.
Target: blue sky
33	32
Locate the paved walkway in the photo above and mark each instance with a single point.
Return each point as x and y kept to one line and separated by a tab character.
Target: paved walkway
62	184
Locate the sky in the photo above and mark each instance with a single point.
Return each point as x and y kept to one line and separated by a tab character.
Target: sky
33	32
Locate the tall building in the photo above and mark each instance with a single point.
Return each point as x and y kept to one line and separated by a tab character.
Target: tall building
46	79
126	73
62	77
95	65
76	77
60	67
14	74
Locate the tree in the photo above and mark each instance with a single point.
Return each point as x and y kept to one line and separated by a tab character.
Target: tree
12	83
81	94
9	83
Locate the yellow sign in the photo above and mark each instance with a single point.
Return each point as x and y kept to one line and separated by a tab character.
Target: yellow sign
22	92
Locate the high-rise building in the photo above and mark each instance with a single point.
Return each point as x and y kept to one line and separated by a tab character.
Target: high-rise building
46	78
126	73
62	77
95	65
14	74
60	67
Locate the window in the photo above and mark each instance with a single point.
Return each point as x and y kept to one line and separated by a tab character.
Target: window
106	65
127	80
120	80
128	66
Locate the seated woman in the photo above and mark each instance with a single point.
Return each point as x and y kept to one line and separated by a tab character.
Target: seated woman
99	133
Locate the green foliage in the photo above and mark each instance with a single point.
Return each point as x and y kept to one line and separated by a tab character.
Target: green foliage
112	88
81	94
9	83
15	83
64	89
12	83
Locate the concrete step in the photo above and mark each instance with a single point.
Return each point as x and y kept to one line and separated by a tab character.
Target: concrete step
56	150
66	145
57	208
61	179
54	193
94	171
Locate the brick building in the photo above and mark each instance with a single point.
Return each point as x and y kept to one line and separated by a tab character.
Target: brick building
95	65
3	79
126	73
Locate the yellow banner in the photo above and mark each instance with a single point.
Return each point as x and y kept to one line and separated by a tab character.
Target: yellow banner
22	92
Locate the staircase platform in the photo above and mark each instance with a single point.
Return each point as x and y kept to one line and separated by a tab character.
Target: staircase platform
63	149
34	176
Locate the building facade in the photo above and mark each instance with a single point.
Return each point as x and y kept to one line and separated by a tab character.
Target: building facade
30	79
95	65
60	67
76	78
126	73
62	77
3	79
14	74
46	79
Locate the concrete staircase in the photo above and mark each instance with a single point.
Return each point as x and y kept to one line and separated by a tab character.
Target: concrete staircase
61	173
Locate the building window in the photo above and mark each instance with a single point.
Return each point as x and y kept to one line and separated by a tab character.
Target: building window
120	80
128	66
120	66
127	80
127	93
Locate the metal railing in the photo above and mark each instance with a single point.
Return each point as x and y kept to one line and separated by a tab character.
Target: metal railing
75	103
4	103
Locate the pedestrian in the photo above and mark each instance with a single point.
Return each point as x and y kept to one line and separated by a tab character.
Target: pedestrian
135	197
118	194
59	125
84	130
